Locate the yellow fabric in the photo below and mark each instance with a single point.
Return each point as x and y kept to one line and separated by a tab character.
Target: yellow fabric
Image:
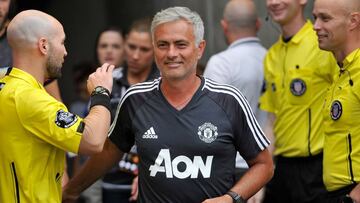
32	145
297	129
342	134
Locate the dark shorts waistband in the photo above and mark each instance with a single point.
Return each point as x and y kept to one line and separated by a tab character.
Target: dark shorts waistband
299	159
342	191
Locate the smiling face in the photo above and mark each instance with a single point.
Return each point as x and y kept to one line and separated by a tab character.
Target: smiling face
331	24
284	11
176	53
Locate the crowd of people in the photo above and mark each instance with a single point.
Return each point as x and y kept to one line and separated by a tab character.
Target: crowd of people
273	126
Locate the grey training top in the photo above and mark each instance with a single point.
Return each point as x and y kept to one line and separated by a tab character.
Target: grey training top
187	155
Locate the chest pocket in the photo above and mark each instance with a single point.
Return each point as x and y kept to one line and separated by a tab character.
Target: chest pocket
298	86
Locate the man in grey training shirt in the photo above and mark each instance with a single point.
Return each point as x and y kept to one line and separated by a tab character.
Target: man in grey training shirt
187	128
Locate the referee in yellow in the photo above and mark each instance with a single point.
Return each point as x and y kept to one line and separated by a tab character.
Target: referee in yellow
35	129
338	29
297	75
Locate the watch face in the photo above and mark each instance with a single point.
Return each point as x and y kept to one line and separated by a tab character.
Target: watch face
100	90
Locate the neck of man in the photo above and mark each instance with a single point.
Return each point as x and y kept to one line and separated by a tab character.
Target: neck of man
179	93
232	37
134	78
352	43
292	27
26	62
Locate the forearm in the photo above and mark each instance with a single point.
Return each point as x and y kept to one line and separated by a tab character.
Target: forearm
97	124
94	168
355	193
259	173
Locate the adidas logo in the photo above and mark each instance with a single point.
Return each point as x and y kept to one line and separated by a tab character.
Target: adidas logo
150	134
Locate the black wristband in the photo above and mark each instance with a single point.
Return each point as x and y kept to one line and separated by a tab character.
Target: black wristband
236	197
100	99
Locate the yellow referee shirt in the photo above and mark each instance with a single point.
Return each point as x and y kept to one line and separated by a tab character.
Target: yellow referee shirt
297	75
342	126
35	132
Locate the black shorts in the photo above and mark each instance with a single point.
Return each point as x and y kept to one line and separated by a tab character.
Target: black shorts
296	180
338	196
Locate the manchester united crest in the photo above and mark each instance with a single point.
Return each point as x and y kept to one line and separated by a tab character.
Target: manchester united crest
207	132
336	110
297	87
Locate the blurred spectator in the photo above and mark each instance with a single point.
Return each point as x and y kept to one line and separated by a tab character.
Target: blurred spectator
6	7
241	65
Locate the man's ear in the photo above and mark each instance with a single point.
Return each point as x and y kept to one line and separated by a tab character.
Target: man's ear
201	48
43	46
224	25
354	20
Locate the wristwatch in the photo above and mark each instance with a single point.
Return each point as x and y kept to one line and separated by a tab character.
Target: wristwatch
100	90
236	197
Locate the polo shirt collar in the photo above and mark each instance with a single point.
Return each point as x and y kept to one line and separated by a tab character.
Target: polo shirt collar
22	75
243	41
350	59
302	33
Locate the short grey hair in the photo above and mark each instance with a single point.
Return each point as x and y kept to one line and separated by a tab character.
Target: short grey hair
180	13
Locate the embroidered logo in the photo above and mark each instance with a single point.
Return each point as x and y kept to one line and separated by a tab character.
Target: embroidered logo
297	87
65	119
150	134
207	132
336	110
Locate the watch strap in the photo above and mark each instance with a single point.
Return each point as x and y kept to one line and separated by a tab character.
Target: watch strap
236	197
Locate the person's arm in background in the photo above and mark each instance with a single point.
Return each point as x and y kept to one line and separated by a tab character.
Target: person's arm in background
53	89
355	193
95	167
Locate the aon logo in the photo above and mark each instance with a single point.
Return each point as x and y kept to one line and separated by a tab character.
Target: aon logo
164	164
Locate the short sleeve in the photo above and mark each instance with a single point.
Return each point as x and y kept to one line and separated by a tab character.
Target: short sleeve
248	136
49	120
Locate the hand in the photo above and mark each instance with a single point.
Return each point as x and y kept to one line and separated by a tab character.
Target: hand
355	194
258	197
101	77
221	199
67	197
134	189
64	179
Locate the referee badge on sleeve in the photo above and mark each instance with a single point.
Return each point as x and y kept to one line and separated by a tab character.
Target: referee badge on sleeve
65	119
297	87
336	110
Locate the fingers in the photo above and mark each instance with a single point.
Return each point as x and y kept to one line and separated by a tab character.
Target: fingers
106	68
